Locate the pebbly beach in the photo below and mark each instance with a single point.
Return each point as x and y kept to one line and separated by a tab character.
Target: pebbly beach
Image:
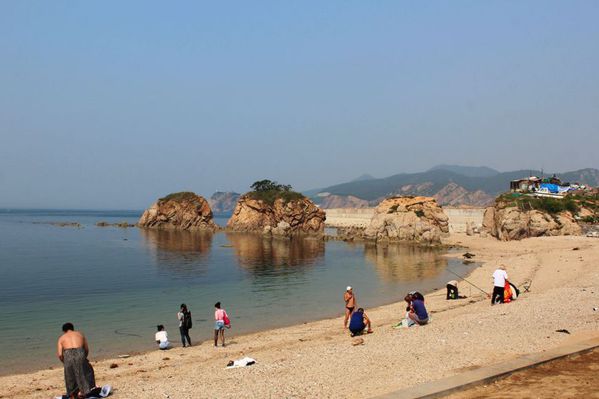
320	359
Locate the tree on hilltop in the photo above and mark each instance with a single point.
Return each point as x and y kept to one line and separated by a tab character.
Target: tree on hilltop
269	185
268	191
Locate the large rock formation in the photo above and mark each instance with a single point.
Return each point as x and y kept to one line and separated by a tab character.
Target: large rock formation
417	219
281	218
180	211
508	222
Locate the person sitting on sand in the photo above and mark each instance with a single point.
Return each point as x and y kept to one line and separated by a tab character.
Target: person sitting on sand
162	338
452	290
359	321
410	297
499	279
221	321
350	304
418	311
78	373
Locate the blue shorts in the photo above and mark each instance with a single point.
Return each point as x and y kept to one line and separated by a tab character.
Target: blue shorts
219	325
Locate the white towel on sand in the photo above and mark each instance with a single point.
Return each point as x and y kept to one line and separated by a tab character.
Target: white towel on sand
246	361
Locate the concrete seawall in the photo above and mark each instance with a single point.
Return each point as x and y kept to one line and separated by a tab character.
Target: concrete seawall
348	217
360	217
459	217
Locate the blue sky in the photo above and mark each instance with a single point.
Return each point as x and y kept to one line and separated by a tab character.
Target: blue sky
112	104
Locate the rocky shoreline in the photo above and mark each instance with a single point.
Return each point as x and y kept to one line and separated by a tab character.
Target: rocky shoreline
287	214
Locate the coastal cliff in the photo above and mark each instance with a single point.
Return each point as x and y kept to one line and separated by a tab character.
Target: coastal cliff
179	211
416	219
275	210
515	218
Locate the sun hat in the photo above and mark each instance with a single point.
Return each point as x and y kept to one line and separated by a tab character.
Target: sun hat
348	288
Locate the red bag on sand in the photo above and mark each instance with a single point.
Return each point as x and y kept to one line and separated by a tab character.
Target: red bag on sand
226	320
507	292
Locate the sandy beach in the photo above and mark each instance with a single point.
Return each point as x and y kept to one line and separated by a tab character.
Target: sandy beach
317	359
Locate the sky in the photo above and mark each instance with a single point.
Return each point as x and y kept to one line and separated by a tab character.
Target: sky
113	104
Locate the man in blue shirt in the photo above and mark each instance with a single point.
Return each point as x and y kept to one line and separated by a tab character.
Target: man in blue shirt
358	322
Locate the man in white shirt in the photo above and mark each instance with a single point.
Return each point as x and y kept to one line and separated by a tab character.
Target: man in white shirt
162	338
499	279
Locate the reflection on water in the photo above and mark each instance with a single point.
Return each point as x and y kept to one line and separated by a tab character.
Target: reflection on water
403	262
263	283
182	252
259	255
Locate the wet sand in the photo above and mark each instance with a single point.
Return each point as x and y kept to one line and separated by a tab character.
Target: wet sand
317	359
572	377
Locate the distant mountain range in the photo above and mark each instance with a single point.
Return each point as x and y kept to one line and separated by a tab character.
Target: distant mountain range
450	184
470	171
223	202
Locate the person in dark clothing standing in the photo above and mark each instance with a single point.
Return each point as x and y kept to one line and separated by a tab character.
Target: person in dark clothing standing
184	317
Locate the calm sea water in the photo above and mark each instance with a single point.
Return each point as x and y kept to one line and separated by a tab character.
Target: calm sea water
117	284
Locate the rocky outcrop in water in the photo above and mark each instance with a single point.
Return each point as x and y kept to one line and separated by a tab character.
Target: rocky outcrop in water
282	218
122	225
507	222
416	219
179	211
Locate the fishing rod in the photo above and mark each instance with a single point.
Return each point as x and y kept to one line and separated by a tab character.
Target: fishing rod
463	278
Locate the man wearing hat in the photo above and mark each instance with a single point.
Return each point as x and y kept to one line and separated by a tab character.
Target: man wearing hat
350	304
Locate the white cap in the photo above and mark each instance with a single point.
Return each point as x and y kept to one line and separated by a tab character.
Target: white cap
348	288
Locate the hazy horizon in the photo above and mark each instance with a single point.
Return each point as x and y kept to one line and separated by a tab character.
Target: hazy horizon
112	105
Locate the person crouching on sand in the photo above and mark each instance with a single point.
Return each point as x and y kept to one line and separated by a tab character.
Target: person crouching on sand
452	290
418	312
499	279
350	304
359	322
221	321
72	351
161	338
